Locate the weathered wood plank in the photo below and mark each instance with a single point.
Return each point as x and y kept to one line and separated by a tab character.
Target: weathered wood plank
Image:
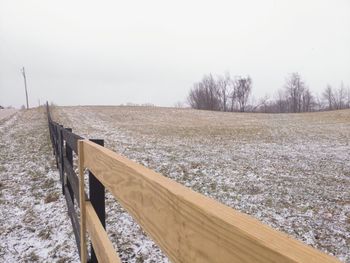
68	161
71	139
103	247
72	178
73	217
188	226
83	248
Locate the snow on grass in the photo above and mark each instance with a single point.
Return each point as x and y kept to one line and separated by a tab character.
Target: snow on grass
291	171
6	113
34	223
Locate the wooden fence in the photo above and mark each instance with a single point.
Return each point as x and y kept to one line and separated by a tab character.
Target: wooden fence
187	226
65	145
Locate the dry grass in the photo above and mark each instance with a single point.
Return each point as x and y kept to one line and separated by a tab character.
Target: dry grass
32	223
52	197
6	113
291	171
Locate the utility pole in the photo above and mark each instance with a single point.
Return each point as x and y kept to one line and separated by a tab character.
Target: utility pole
25	85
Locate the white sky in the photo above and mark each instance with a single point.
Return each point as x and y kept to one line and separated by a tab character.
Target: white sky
113	52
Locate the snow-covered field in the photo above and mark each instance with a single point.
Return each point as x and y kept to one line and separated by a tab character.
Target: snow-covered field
291	171
34	226
5	113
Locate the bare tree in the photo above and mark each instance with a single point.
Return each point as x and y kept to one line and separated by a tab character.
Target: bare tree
264	104
328	96
281	101
193	98
294	88
307	100
232	95
336	98
223	83
339	97
212	92
221	93
318	104
224	93
242	90
205	94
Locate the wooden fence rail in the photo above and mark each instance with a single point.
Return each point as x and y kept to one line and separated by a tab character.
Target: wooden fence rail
187	226
65	145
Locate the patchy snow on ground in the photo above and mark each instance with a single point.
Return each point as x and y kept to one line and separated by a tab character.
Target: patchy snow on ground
34	225
291	171
5	113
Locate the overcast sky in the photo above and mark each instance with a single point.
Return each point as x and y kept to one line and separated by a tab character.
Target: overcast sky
114	52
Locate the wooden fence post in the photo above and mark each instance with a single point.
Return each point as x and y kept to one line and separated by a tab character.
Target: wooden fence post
97	199
83	254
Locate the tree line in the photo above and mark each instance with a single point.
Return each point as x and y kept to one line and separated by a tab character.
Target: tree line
226	93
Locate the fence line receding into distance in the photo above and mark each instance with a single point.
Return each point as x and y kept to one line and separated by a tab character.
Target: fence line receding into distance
187	226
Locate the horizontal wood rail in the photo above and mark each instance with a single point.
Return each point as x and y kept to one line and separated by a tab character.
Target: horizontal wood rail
103	247
188	227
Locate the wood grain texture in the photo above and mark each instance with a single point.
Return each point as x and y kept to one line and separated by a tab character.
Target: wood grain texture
188	226
73	217
71	139
83	247
102	245
73	179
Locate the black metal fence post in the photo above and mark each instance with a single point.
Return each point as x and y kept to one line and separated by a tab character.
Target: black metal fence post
97	199
52	137
60	155
69	156
56	144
